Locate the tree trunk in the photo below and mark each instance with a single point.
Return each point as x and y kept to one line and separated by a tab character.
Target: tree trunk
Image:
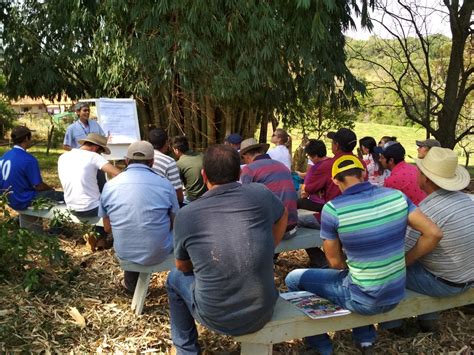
211	121
264	128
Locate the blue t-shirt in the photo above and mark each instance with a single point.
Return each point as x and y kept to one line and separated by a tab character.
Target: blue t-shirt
227	235
77	131
139	203
20	174
370	223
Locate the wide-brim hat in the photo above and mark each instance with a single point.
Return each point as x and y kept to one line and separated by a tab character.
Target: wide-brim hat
440	165
96	139
250	144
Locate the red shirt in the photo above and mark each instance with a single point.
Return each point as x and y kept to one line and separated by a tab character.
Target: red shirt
403	178
321	179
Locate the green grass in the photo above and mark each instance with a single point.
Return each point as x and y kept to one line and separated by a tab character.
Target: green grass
405	135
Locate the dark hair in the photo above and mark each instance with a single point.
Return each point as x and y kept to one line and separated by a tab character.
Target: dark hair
356	172
158	138
315	147
221	164
395	152
180	143
21	139
370	144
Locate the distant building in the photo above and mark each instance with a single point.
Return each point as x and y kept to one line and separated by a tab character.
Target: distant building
28	105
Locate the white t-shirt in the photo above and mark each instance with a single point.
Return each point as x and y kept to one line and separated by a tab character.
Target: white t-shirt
77	170
281	153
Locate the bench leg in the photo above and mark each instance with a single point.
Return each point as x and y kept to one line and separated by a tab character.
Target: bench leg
140	293
256	349
32	223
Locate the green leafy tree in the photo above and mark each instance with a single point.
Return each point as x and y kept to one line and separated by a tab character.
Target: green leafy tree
200	68
431	75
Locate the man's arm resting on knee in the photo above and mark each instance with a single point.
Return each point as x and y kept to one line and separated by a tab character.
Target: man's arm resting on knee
428	240
279	227
184	265
334	254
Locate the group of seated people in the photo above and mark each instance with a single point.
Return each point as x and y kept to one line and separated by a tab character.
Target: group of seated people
386	225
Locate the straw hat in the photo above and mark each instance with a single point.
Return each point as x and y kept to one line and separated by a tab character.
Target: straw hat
96	139
440	165
251	143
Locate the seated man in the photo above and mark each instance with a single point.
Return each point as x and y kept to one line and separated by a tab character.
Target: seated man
190	166
20	173
425	146
316	152
402	175
363	232
441	267
271	173
77	170
165	165
139	206
224	244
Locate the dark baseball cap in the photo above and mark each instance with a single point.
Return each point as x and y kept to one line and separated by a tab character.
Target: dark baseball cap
344	137
391	149
234	138
20	132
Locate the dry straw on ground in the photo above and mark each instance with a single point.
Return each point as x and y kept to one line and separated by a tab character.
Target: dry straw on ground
86	311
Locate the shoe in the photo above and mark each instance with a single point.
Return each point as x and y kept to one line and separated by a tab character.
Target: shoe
428	326
366	350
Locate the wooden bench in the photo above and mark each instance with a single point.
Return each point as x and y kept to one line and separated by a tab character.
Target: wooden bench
304	238
290	323
33	219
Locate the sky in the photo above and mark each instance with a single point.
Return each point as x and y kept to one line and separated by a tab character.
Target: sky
433	12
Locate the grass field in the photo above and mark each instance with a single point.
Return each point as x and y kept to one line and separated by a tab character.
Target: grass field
405	135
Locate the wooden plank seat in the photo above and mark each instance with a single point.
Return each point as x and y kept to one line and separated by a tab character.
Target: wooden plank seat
304	238
290	323
33	219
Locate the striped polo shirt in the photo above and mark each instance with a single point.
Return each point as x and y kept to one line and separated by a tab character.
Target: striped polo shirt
453	257
370	222
277	178
165	166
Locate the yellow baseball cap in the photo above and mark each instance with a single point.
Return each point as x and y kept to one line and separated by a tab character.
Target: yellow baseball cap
356	164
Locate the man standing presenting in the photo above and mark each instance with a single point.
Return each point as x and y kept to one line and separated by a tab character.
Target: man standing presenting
363	231
403	175
20	173
138	206
81	128
224	244
164	165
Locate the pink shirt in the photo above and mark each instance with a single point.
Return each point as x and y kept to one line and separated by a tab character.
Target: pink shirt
403	178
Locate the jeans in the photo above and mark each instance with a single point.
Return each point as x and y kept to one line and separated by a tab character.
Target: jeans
54	195
184	333
422	281
330	284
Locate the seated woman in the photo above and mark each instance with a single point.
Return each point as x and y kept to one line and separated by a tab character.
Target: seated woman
283	147
313	200
375	171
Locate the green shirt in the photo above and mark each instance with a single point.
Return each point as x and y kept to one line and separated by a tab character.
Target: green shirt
190	166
